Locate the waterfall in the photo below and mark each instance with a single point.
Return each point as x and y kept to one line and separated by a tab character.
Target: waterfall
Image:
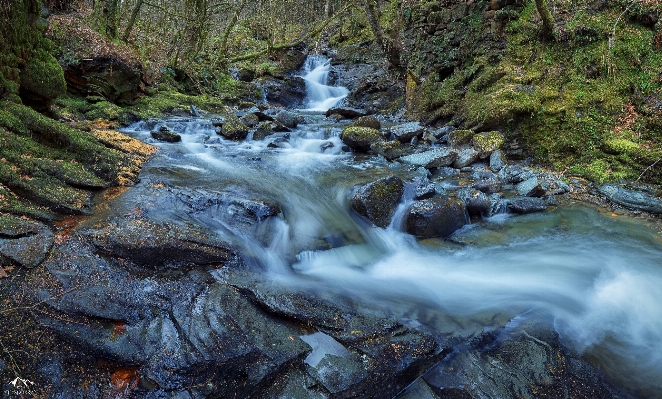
321	96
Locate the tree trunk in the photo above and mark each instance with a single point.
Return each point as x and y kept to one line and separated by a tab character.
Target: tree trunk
388	47
111	18
327	9
132	20
547	19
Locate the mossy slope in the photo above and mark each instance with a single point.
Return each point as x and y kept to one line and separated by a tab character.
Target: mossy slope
564	99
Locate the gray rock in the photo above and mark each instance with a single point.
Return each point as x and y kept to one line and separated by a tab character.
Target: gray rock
631	199
423	188
232	129
432	159
497	161
25	242
377	200
465	157
530	188
346	112
287	118
439	216
526	361
289	92
476	202
250	120
514	174
446	171
561	188
388	149
526	204
488	186
360	138
166	135
405	132
160	245
368	121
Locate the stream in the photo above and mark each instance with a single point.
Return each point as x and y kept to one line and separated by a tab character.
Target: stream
596	275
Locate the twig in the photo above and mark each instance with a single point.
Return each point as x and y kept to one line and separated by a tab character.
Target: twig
646	170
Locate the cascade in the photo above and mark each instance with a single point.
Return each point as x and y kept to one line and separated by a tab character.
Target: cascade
321	96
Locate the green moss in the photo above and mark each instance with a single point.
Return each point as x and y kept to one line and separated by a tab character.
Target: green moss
104	110
621	146
460	137
360	138
50	164
163	102
43	76
488	142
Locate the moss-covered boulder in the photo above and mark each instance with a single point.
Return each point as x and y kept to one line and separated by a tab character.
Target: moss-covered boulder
233	129
621	146
49	164
460	137
377	200
389	149
360	138
367	121
487	142
27	66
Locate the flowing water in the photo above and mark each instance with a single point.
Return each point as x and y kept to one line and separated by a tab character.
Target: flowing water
598	275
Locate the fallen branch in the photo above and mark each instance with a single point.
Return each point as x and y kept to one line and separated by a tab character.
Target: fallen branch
646	170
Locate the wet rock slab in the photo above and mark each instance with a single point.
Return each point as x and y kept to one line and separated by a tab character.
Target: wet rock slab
24	242
633	199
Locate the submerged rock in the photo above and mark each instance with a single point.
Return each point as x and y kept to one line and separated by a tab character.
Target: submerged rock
287	118
439	216
377	200
632	199
360	138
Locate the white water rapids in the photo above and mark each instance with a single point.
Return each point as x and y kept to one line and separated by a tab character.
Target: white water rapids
599	276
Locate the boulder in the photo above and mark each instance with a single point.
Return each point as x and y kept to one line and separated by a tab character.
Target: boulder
526	204
165	134
378	200
24	242
476	202
109	77
250	120
632	199
487	142
233	129
439	216
287	118
497	161
465	157
436	158
160	245
423	188
514	174
388	149
530	188
368	121
405	132
360	138
289	92
488	186
346	113
460	137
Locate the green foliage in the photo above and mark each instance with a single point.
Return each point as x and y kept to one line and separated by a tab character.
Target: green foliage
26	58
563	97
